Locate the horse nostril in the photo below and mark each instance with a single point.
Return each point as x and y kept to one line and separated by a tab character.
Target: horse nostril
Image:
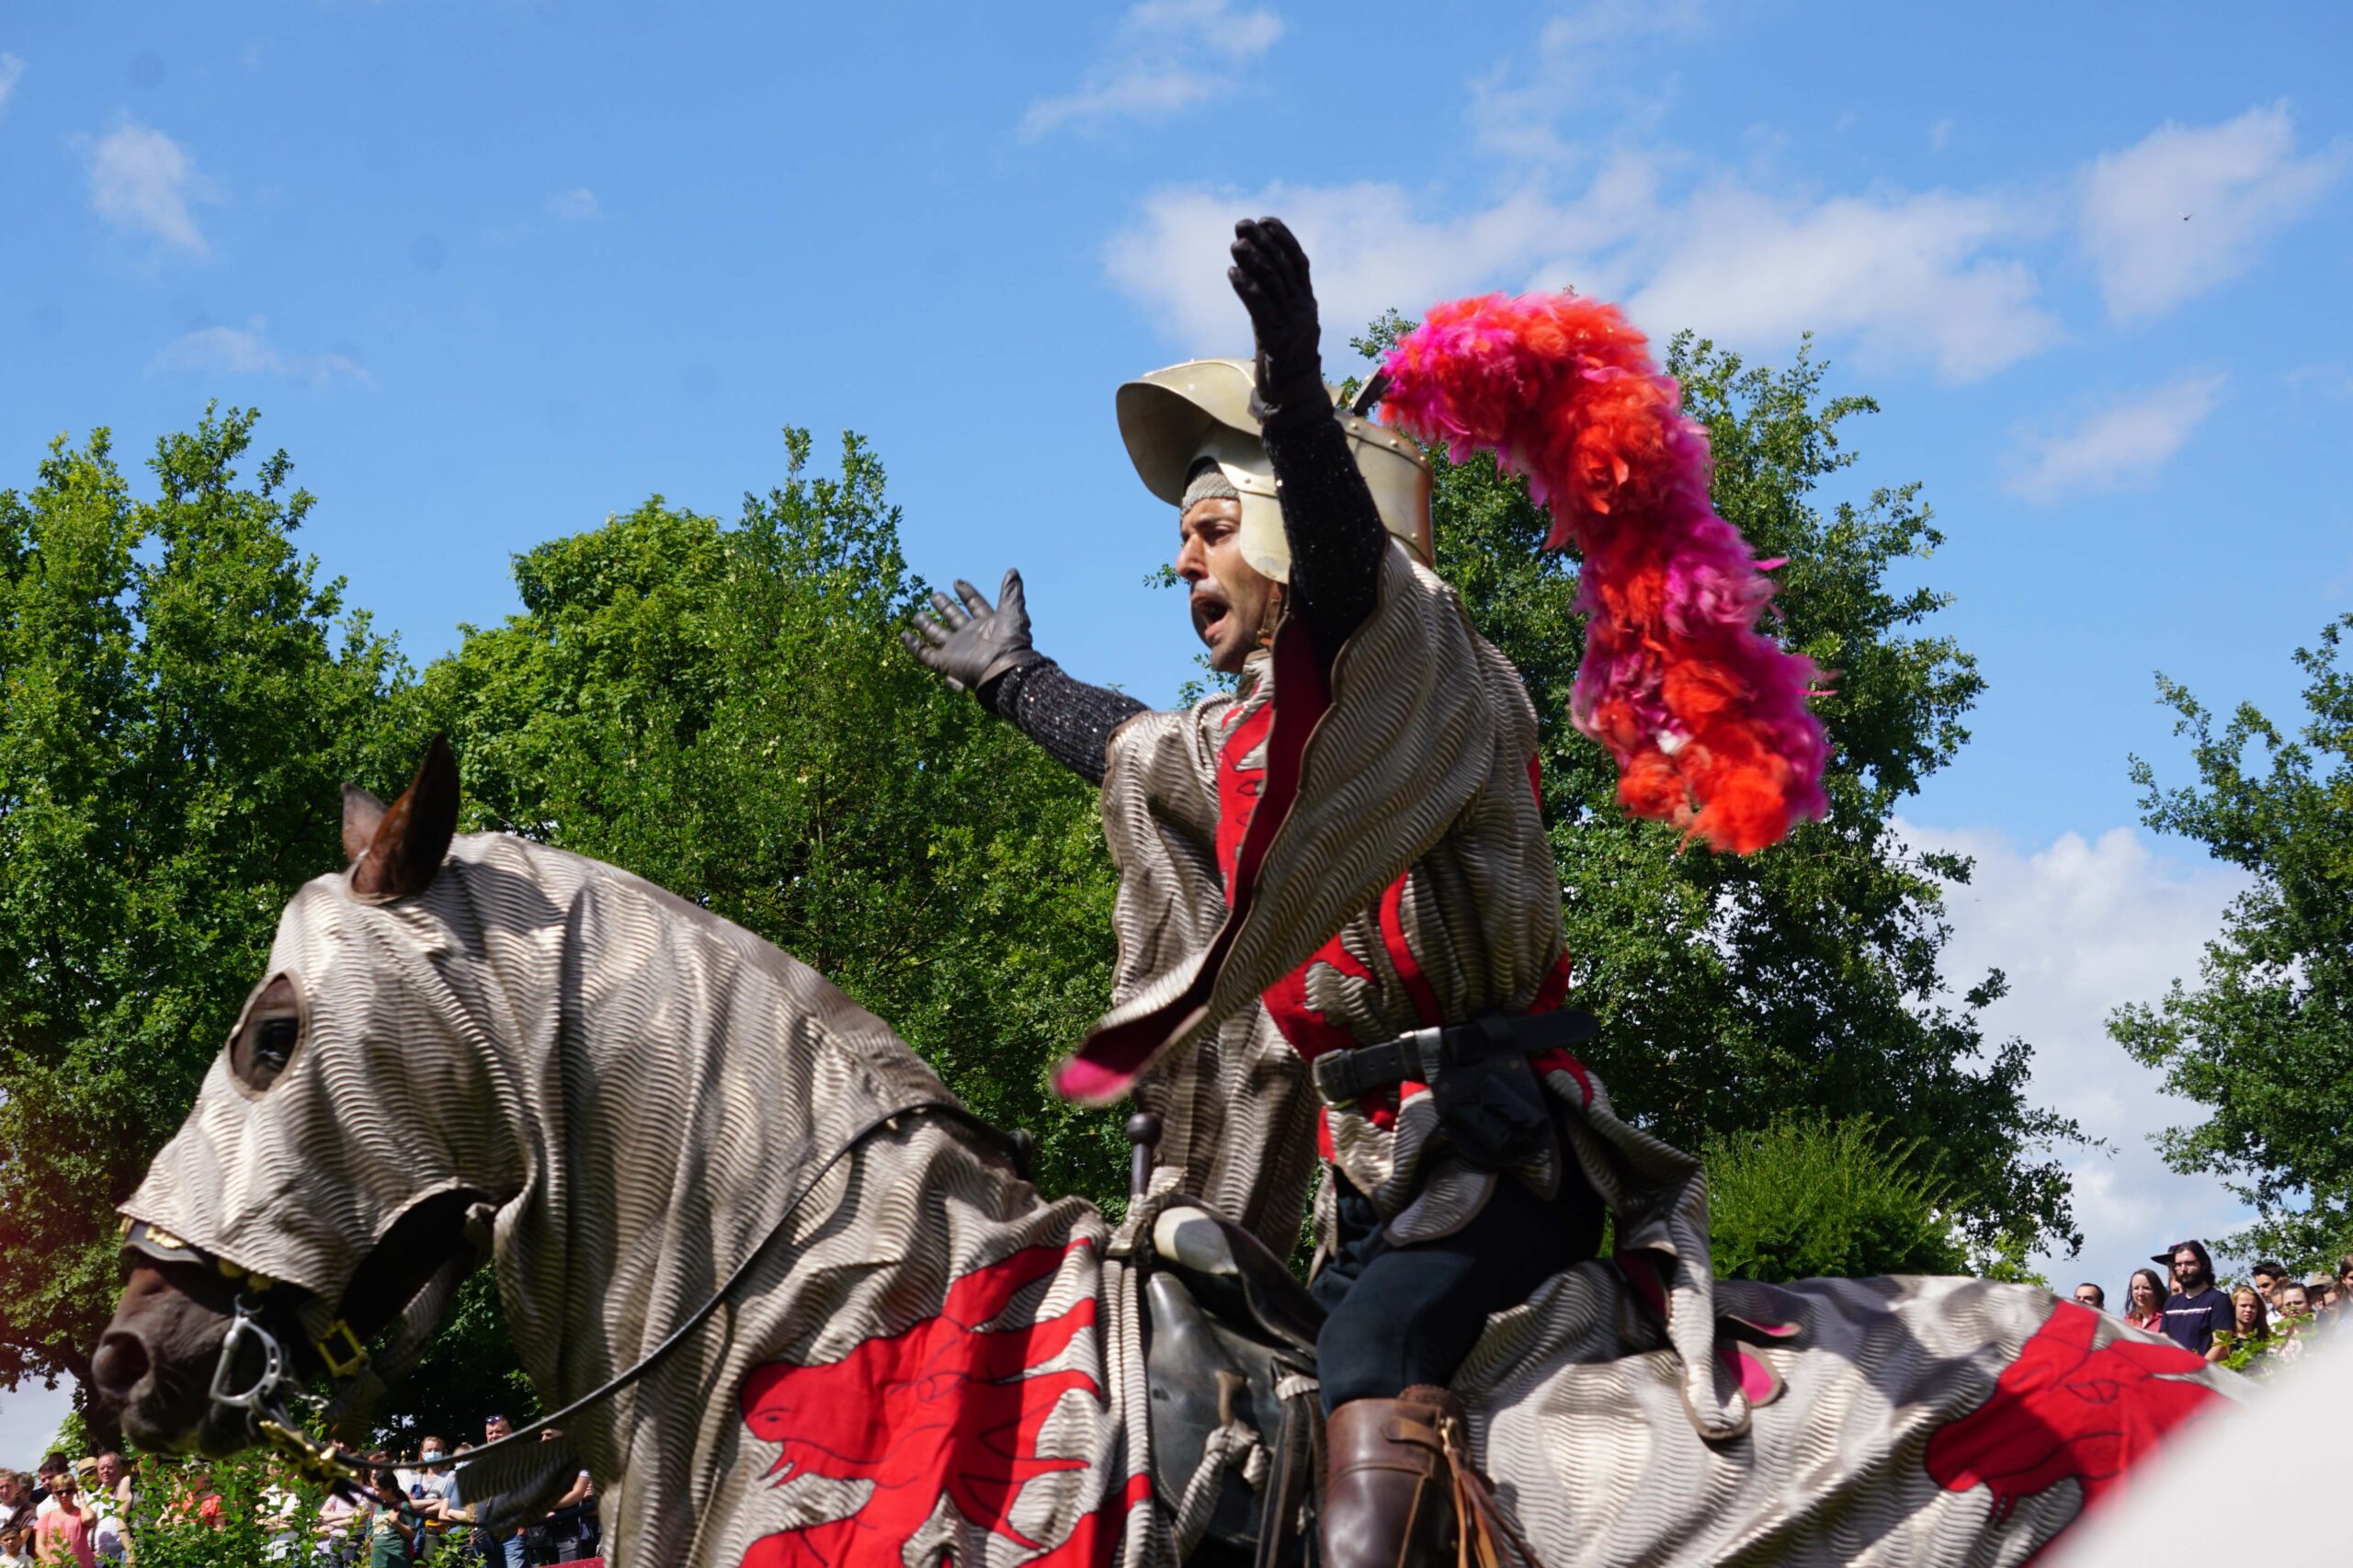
121	1362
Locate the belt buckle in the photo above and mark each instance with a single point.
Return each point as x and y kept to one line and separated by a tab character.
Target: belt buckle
1322	1069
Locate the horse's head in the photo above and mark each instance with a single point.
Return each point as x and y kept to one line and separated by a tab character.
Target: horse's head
335	1146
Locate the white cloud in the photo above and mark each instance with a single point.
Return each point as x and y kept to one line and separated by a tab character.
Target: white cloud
2117	447
12	71
2081	927
2188	207
578	205
1165	55
1370	250
1901	277
1580	62
142	179
246	351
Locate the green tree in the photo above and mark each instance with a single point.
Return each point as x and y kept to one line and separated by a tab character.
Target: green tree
728	712
1732	990
1809	1196
179	697
2265	1039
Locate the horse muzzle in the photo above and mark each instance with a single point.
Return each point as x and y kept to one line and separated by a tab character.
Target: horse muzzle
160	1358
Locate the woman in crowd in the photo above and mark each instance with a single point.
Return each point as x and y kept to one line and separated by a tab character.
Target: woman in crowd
2250	1322
389	1523
2145	1301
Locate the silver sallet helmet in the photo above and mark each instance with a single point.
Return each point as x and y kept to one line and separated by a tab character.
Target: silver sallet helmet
1172	419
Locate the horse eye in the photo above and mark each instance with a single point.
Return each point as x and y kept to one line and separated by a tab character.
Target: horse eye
265	1043
274	1043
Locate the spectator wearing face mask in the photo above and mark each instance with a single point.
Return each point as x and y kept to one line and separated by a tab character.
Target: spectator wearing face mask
433	1489
2195	1312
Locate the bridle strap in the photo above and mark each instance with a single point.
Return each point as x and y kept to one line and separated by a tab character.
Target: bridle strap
331	1460
702	1314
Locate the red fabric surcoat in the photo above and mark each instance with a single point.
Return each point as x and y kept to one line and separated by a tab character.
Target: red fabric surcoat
1340	853
1241	783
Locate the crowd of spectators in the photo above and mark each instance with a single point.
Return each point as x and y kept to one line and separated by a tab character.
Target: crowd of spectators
81	1513
2268	1319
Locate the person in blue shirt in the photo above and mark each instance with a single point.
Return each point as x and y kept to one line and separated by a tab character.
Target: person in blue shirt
2195	1312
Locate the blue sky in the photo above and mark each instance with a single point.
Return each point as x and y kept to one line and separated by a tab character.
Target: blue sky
493	270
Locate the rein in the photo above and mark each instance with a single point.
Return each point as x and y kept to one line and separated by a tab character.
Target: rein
267	1403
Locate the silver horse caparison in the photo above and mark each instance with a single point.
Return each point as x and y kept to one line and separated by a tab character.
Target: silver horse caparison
928	1361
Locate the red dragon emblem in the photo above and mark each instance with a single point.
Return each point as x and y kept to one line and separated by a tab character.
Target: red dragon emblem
945	1408
2064	1408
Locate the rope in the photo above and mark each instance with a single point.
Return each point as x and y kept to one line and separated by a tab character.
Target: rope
1233	1439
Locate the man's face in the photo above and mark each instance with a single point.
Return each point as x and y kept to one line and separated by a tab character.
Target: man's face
2088	1295
2265	1284
109	1470
2293	1302
2186	1269
1230	598
496	1428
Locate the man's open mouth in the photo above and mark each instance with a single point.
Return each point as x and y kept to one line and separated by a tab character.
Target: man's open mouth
1209	610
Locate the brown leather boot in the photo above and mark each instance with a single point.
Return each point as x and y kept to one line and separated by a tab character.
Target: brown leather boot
1388	1495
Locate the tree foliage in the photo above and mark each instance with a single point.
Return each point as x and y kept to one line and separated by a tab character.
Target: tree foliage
728	712
181	694
2265	1039
1808	1195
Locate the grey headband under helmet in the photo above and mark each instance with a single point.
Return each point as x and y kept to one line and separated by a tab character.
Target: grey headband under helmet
1175	420
1207	482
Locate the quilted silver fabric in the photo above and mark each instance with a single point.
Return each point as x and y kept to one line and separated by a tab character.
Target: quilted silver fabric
641	1086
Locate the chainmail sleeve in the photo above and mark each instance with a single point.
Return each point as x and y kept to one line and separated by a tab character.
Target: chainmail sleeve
1071	719
1337	538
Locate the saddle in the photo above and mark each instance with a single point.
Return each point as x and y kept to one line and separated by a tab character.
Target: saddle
1230	1357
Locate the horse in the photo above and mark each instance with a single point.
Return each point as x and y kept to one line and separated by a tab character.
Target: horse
803	1310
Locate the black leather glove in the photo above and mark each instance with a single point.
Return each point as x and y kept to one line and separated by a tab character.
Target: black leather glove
1270	274
970	644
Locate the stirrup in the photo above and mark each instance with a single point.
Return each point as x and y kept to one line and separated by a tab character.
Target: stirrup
1482	1526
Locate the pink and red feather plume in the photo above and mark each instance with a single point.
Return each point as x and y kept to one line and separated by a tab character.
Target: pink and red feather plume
1706	716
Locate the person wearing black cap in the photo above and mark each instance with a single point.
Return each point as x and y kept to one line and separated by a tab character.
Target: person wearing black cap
2195	1312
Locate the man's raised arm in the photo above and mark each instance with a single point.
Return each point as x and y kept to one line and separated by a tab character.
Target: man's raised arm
985	650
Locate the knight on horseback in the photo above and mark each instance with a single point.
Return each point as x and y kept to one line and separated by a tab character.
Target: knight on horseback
1347	845
792	1304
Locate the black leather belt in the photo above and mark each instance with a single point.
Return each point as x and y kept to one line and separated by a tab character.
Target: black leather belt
1343	1077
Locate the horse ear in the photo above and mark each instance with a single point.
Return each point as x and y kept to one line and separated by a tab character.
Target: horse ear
362	813
413	835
